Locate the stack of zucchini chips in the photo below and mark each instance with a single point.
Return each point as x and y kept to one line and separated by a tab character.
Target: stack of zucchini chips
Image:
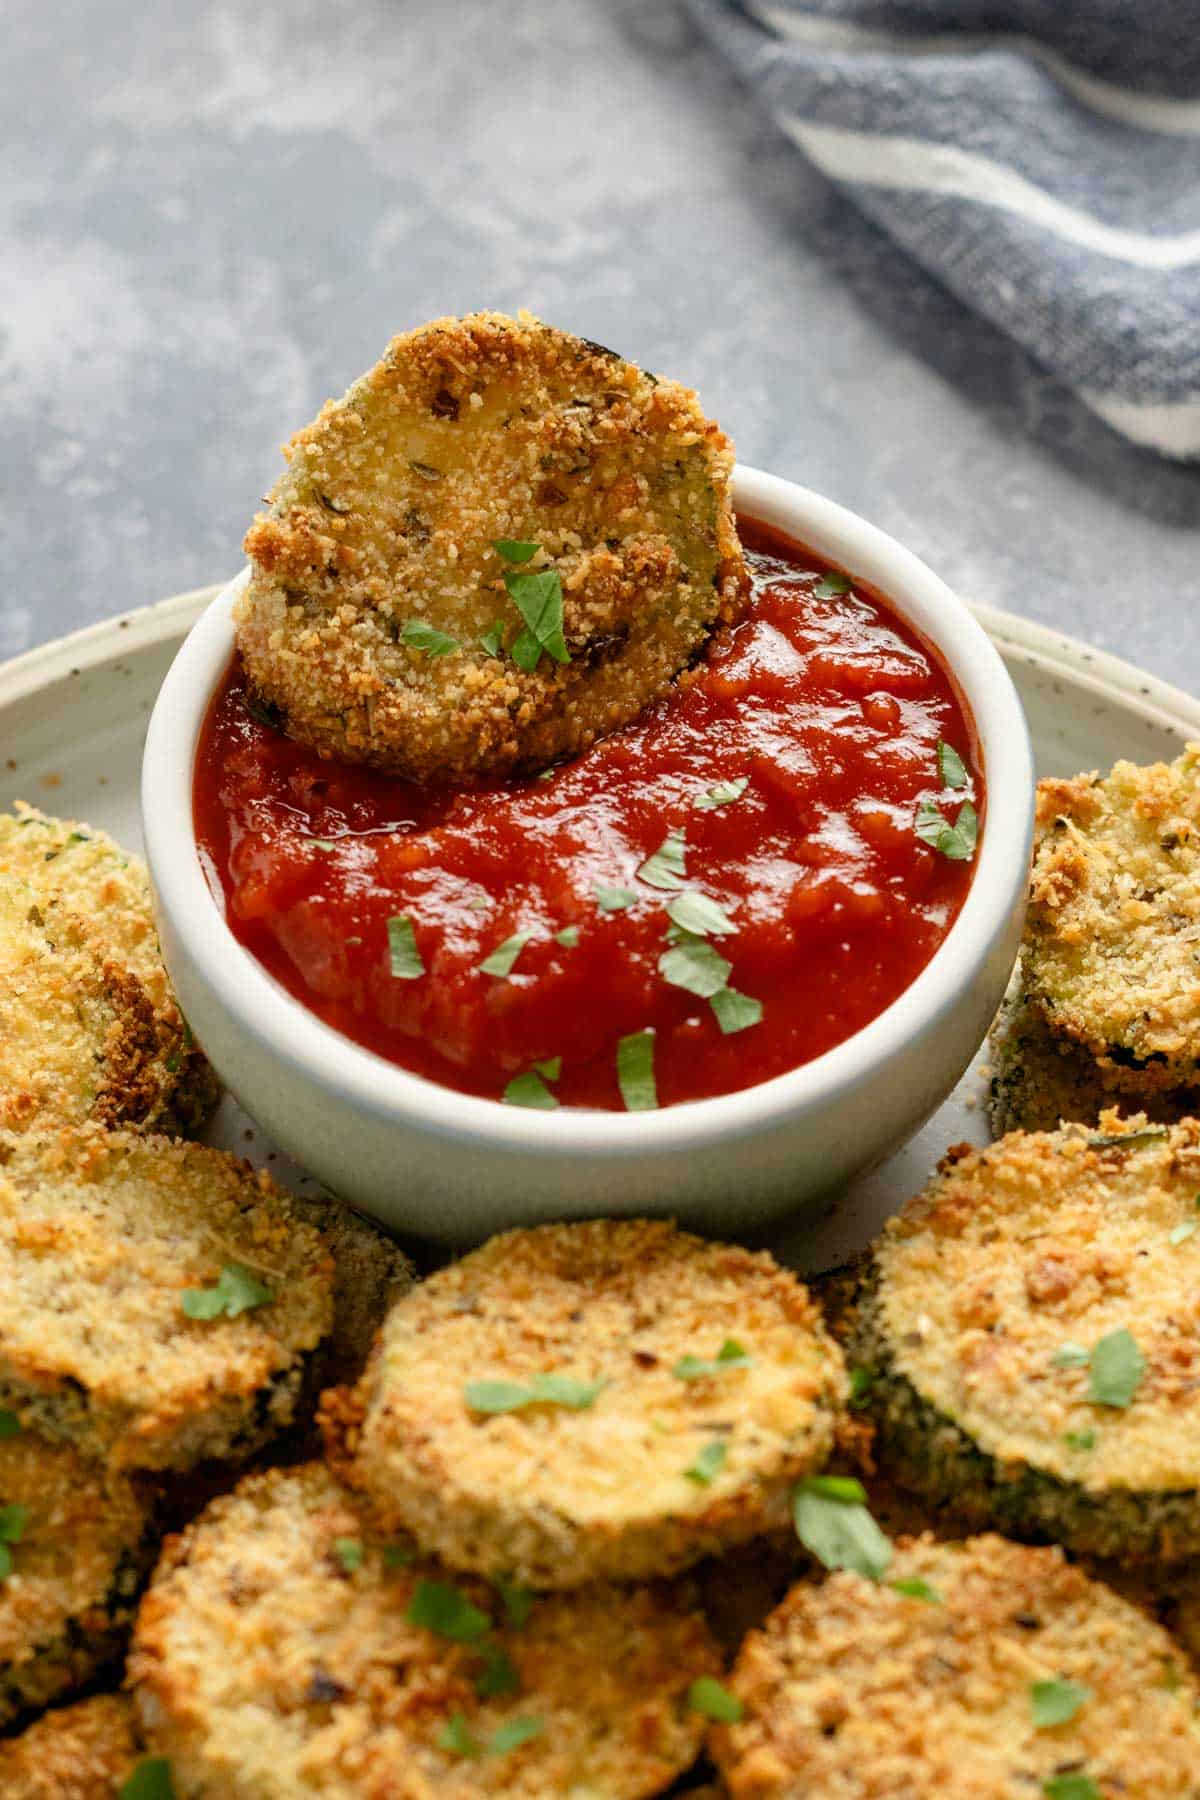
609	1511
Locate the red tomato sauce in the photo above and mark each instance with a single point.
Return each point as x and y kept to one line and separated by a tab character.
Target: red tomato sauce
820	706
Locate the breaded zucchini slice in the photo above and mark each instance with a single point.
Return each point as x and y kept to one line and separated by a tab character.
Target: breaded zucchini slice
1038	1080
1112	939
89	1027
157	1299
76	1544
614	1398
990	1671
83	1752
1032	1340
379	620
287	1650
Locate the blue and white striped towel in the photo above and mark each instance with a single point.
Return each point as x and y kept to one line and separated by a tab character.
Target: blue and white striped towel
1040	157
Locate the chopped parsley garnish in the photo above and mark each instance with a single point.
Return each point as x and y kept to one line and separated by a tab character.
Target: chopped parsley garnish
1071	1787
664	867
498	1675
151	1780
635	1071
539	600
709	1462
542	1390
955	842
1055	1702
831	584
862	1379
951	767
699	916
515	550
834	1525
426	638
695	966
13	1520
568	937
551	1069
734	1011
731	1355
713	1700
615	899
10	1425
349	1553
447	1612
1117	1369
1180	1235
398	1556
1079	1440
917	1588
404	959
515	1733
1071	1356
493	638
235	1291
723	794
518	1602
529	1090
456	1737
503	958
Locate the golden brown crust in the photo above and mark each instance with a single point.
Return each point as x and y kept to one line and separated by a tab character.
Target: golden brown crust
100	1235
562	1495
89	1027
76	1567
855	1690
468	432
82	1752
1114	919
266	1669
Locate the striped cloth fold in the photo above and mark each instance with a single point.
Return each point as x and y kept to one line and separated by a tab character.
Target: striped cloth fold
1039	157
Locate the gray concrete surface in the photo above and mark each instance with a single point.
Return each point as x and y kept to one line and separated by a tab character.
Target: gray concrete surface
214	215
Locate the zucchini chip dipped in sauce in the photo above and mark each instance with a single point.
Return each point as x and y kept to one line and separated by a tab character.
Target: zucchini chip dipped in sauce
613	1399
1029	1339
499	545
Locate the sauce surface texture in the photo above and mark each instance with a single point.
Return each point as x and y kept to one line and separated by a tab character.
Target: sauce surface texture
784	776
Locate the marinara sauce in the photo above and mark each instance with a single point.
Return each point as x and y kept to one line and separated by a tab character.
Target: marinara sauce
784	776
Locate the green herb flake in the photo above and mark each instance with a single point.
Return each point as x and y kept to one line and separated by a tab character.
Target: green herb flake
862	1380
699	916
708	1464
723	794
1071	1787
730	1356
1079	1440
10	1425
503	958
493	639
615	899
539	600
404	959
456	1737
915	1587
543	1390
151	1780
529	1090
518	1602
664	867
398	1556
349	1553
831	584
1055	1702
1183	1232
498	1676
635	1071
696	967
1127	1140
442	1609
513	1734
735	1012
834	1525
713	1700
951	767
955	842
515	550
551	1069
1117	1369
13	1520
235	1291
1071	1356
568	937
426	638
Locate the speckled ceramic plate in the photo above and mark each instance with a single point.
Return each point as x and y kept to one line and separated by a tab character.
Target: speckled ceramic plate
73	717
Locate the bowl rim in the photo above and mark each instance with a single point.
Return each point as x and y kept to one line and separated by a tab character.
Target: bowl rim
265	1010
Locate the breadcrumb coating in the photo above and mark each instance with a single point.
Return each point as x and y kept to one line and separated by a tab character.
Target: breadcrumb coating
562	1494
990	1294
855	1690
468	433
82	1752
77	1561
1112	941
101	1234
89	1027
274	1659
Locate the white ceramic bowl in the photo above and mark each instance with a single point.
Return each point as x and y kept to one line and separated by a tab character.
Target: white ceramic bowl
441	1164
